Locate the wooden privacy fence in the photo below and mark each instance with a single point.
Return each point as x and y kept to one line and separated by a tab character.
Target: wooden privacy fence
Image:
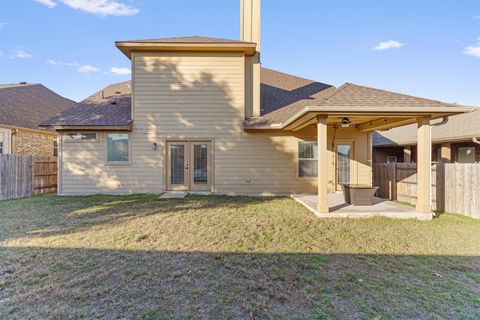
23	176
455	186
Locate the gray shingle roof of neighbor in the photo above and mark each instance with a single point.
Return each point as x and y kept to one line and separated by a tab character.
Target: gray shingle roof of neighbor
110	106
460	127
188	40
27	105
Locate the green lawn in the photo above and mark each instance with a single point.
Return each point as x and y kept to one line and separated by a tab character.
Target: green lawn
229	258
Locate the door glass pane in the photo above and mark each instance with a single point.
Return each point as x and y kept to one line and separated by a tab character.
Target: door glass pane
200	164
177	164
343	160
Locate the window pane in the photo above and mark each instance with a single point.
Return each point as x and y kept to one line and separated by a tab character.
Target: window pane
307	168
343	162
466	155
200	165
307	150
1	142
77	136
117	147
177	163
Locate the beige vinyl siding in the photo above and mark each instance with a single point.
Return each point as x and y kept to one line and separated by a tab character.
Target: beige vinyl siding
196	96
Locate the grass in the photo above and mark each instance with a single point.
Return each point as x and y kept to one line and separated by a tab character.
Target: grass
229	257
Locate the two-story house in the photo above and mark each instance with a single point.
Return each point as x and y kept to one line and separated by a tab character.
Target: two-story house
200	114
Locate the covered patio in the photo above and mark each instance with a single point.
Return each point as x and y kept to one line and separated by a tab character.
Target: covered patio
359	111
338	208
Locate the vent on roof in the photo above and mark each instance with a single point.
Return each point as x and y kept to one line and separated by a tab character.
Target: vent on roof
113	102
118	92
22	82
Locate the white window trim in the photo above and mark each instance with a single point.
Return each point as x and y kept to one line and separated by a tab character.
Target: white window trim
129	148
68	140
308	159
7	143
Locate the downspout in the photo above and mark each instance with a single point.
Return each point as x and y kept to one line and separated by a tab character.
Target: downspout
476	140
441	123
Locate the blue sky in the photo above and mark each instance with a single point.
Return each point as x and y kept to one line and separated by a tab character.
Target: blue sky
430	48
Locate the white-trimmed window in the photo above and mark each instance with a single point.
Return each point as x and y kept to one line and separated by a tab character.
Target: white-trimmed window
466	155
391	159
307	159
118	147
81	137
2	143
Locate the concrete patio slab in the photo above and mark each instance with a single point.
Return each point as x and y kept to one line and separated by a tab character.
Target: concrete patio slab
174	195
340	209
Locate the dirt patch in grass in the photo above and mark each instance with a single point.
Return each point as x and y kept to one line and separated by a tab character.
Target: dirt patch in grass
229	257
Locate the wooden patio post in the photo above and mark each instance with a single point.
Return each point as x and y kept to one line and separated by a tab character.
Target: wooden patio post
424	163
322	150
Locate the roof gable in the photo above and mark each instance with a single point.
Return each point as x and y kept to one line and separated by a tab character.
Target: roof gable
27	105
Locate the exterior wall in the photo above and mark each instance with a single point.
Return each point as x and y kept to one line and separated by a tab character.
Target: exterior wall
198	96
33	143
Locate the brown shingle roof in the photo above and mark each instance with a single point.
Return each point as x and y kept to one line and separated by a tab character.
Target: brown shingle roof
27	105
282	96
351	94
348	95
108	107
459	127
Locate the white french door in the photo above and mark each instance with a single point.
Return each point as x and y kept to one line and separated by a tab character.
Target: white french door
189	165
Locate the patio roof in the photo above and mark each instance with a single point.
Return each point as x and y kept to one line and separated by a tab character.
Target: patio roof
368	109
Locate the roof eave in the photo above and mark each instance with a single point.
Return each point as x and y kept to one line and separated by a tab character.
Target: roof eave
434	112
128	47
59	127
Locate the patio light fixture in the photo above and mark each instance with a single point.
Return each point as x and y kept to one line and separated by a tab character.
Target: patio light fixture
345	122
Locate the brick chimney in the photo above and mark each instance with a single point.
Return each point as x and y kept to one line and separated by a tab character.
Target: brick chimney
250	32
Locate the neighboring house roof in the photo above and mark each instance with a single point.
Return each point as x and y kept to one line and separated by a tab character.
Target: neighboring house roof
459	127
109	107
348	95
27	105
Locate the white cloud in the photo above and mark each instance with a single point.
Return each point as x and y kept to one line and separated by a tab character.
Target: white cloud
390	44
61	63
88	69
1	53
473	50
48	3
476	18
120	71
53	62
98	7
22	54
3	24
